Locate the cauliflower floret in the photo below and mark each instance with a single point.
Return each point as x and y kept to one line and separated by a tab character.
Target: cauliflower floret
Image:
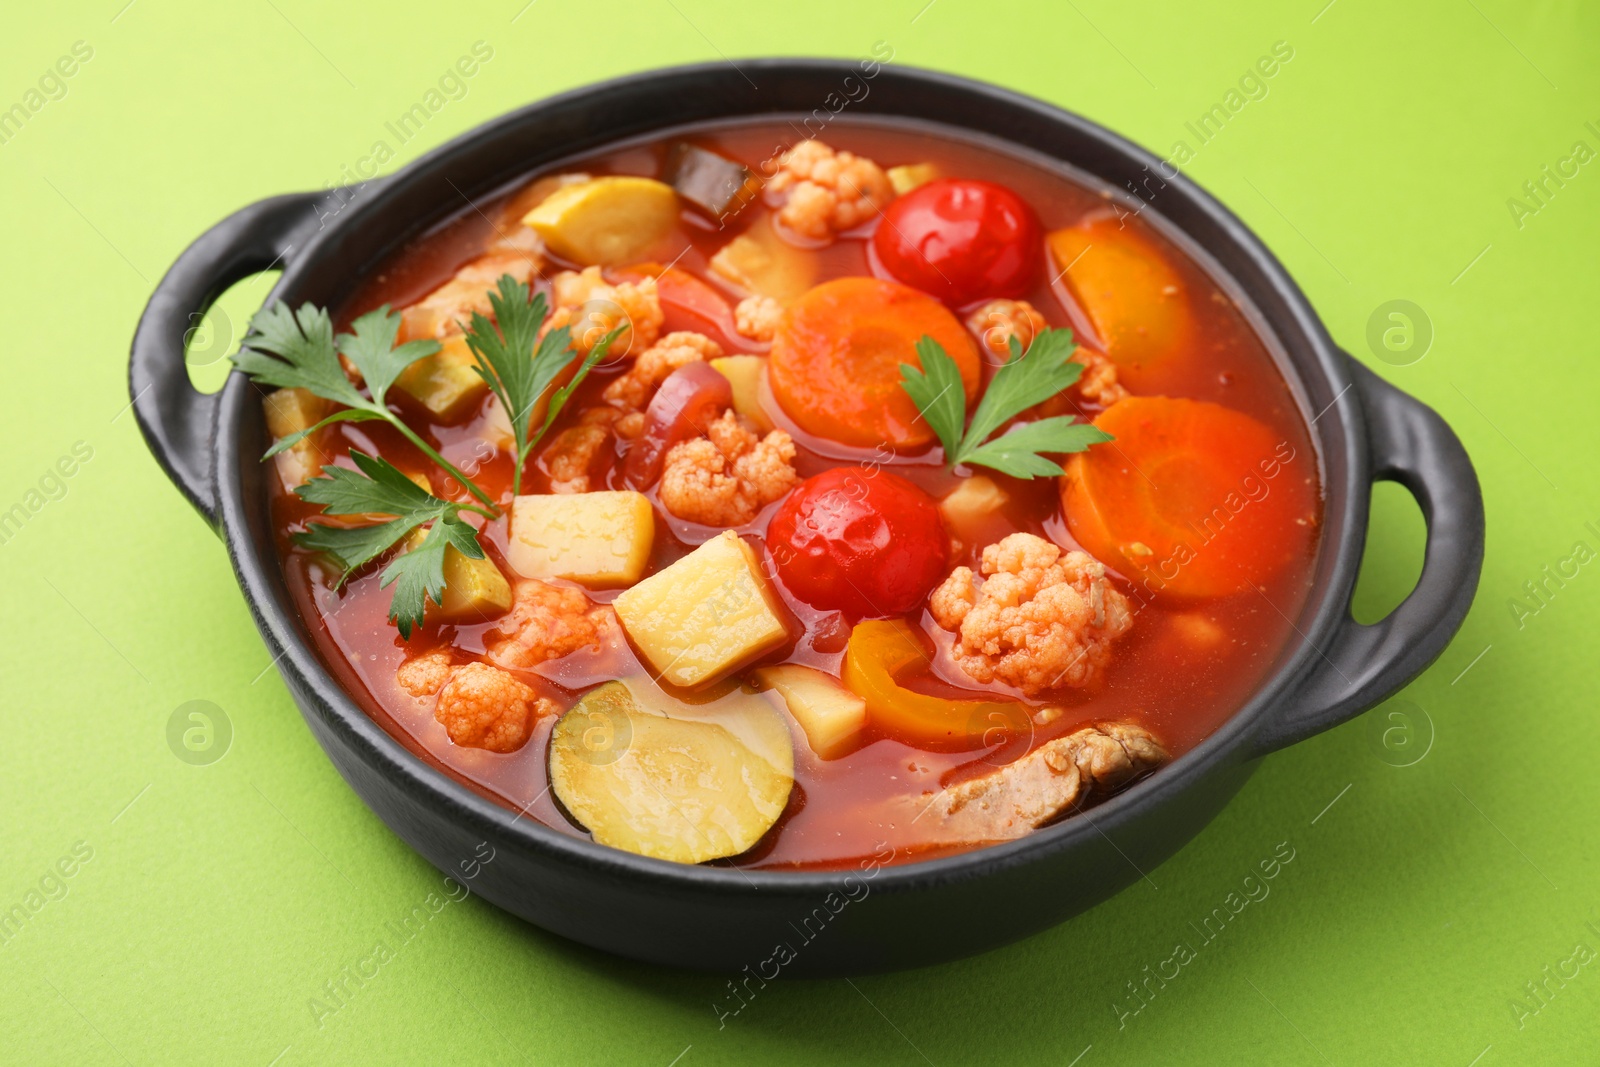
484	707
569	457
632	391
593	307
829	192
547	622
425	675
726	477
756	317
1039	620
448	308
1000	320
1098	384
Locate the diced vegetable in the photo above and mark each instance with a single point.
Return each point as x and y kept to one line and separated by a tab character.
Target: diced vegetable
879	651
835	362
537	192
744	373
906	178
690	400
715	184
679	788
704	615
1136	302
973	502
830	714
599	538
606	221
445	383
1198	500
761	263
473	588
291	411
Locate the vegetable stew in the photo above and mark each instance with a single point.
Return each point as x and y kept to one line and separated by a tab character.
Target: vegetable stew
741	499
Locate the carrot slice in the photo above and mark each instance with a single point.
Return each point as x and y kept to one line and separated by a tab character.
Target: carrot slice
1192	499
835	363
1135	301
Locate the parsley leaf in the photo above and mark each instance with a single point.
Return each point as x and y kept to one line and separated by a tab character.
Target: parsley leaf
299	350
376	485
938	392
1026	379
520	373
1017	453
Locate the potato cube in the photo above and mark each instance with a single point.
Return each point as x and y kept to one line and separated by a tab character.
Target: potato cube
830	714
705	615
904	179
290	411
974	500
744	374
445	383
760	263
600	538
473	588
605	221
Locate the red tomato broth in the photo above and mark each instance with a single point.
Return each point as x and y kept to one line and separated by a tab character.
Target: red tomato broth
842	808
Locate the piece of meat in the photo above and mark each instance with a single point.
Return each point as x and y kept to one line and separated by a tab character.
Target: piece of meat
756	317
593	307
547	622
828	192
632	390
484	707
448	309
425	675
1020	797
996	322
727	476
1039	620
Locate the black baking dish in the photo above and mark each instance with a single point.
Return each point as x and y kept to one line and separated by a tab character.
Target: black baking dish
878	918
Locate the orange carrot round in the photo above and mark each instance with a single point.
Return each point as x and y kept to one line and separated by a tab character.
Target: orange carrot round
1192	499
835	362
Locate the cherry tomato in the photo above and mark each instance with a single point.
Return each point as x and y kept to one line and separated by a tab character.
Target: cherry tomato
960	240
864	542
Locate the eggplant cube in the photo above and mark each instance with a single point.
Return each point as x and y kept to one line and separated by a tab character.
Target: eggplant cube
715	184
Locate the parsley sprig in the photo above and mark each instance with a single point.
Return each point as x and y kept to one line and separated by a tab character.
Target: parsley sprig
298	349
1025	379
520	373
377	486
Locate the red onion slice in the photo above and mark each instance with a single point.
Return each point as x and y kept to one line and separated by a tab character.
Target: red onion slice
691	399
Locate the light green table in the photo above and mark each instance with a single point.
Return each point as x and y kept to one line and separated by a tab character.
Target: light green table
1439	867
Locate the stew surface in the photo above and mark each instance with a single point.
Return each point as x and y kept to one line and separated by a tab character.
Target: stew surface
1109	618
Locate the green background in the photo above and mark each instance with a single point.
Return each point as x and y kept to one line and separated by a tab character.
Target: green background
219	898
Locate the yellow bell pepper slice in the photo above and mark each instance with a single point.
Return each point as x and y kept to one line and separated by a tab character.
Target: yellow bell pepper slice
879	651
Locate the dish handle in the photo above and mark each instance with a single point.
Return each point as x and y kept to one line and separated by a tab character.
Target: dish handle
1365	664
178	421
